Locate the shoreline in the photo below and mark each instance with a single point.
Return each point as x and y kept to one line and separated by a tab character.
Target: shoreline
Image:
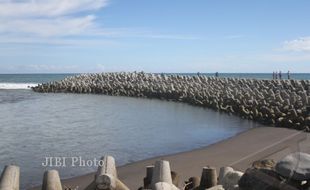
261	142
276	103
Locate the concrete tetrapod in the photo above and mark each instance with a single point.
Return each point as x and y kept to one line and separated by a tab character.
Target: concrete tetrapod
161	178
10	178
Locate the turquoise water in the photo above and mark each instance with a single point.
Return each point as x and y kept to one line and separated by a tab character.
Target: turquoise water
34	126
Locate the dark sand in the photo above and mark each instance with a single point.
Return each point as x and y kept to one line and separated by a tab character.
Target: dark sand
239	152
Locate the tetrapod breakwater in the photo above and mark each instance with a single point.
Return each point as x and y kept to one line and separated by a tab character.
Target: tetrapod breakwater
290	173
280	103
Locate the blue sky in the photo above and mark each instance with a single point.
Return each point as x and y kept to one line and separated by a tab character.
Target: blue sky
55	36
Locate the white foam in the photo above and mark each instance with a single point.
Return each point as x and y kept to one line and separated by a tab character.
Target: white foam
17	85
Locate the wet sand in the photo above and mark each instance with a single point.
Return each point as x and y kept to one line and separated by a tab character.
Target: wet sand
239	152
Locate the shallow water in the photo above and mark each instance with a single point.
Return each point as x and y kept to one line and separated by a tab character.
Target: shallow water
35	126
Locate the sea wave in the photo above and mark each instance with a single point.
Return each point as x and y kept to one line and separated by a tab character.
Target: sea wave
17	85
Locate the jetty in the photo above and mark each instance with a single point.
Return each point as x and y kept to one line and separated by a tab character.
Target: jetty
280	103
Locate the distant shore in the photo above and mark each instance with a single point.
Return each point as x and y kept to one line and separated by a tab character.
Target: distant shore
239	152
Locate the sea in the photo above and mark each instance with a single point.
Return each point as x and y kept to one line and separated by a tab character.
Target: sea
36	126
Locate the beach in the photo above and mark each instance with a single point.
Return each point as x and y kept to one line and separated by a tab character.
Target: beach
154	95
178	125
238	152
38	125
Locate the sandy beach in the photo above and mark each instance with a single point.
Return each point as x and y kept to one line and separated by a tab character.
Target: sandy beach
239	152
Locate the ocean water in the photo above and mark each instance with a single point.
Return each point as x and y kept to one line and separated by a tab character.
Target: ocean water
34	126
24	81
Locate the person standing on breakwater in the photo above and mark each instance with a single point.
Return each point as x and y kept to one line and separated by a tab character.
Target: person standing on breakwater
280	75
216	74
276	75
288	75
273	75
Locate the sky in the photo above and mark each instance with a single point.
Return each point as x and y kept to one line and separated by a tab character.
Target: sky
81	36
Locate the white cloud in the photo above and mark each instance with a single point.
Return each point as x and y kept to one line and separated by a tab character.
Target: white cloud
292	58
300	44
170	37
100	68
59	26
39	68
48	18
237	36
51	68
53	21
47	8
293	51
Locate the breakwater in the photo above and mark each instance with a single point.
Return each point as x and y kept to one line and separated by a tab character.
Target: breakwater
282	103
290	173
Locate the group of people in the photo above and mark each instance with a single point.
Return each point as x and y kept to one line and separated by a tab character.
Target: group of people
276	75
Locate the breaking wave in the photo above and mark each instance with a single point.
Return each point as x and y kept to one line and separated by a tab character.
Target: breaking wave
17	85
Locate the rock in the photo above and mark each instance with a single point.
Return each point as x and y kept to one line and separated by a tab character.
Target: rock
223	172
193	183
264	164
230	181
259	179
208	177
217	187
294	166
229	178
175	178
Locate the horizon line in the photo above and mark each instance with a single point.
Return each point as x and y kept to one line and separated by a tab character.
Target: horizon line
151	72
